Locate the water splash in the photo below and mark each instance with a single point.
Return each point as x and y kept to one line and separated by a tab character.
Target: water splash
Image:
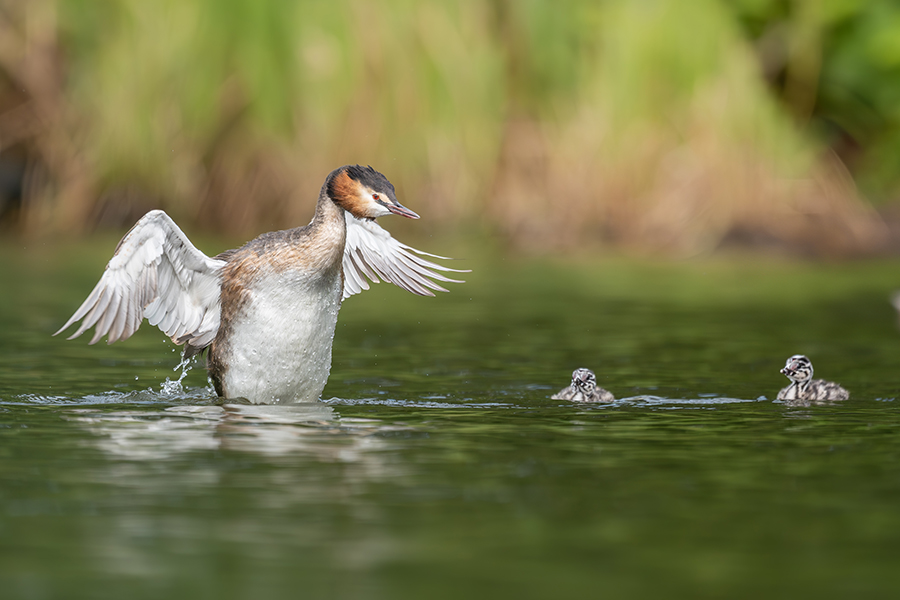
174	388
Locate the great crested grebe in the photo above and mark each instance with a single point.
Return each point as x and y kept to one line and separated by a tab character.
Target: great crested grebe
266	311
583	389
804	388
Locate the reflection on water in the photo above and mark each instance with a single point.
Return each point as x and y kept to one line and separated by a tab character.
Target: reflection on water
310	429
135	434
357	495
315	430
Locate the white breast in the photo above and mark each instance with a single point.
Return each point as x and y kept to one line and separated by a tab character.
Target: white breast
791	392
280	348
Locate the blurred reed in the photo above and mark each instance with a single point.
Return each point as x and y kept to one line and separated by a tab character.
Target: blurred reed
643	125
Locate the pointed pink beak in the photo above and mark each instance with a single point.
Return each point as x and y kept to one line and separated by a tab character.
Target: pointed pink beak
399	209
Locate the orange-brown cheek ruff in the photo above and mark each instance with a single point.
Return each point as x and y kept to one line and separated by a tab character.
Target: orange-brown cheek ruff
345	192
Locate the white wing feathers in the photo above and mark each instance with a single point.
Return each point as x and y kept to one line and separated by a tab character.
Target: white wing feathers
371	252
155	273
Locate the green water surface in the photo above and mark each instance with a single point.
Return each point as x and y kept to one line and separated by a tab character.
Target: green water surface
439	467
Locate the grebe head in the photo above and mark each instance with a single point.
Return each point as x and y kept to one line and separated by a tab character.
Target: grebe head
364	193
798	369
584	380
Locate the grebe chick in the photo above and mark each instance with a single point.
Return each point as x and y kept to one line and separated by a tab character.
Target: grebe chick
804	388
583	389
267	311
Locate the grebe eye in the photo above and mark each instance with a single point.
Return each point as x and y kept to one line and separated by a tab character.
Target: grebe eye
374	196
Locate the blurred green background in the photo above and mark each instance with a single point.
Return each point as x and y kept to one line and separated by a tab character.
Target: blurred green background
642	125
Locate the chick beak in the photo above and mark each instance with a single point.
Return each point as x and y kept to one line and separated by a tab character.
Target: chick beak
399	209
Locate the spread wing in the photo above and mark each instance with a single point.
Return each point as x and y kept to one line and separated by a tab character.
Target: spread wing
371	252
155	273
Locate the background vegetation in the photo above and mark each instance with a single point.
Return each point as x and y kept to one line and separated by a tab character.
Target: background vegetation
655	125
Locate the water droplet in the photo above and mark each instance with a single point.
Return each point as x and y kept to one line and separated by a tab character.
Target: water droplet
170	387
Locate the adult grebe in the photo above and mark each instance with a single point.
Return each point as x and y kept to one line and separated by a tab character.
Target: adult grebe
583	389
804	388
266	311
